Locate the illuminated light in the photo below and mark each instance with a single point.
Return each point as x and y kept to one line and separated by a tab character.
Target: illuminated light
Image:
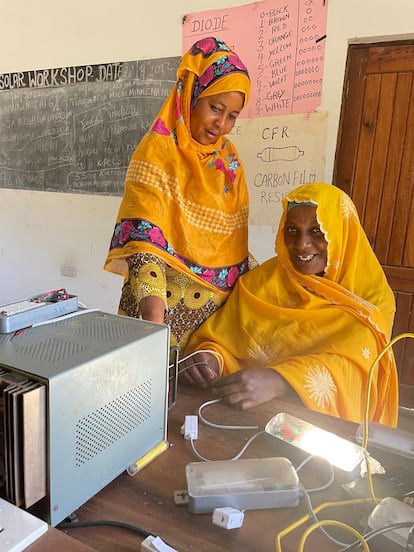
339	452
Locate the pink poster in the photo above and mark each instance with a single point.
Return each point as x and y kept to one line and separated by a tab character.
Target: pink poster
282	45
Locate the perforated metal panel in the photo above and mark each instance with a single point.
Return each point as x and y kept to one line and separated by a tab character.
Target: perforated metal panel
103	427
51	350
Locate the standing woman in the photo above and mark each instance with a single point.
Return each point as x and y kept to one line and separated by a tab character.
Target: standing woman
180	239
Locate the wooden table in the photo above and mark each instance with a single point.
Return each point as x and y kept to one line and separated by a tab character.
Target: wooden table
146	499
54	540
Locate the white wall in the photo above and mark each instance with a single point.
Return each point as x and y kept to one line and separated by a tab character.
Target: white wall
39	231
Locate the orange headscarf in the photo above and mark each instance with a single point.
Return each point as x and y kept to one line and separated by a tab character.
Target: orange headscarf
186	202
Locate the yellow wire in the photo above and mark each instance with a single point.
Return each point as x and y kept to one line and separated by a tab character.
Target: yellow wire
316	510
311	528
373	498
370	376
366	409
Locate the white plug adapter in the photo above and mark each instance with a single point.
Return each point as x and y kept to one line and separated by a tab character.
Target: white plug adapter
229	518
190	427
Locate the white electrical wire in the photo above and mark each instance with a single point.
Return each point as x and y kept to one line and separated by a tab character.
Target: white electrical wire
64	317
238	455
219	426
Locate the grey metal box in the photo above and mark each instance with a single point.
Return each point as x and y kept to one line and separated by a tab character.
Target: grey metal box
106	381
28	312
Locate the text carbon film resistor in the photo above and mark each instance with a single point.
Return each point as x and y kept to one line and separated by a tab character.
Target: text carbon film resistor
288	153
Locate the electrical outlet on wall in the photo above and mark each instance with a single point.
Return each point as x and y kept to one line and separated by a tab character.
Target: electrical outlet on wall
68	270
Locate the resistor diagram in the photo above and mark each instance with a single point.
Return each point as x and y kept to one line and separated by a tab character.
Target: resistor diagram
288	153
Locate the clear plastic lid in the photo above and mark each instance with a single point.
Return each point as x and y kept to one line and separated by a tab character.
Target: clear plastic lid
250	475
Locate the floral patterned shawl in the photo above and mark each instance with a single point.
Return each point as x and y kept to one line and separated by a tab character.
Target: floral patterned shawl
185	202
321	334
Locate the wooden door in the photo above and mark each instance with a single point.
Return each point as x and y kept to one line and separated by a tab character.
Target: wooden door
374	164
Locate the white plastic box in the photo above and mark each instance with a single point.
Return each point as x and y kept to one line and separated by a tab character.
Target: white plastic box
246	484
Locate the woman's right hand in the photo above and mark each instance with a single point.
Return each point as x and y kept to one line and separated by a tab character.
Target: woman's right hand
250	387
199	370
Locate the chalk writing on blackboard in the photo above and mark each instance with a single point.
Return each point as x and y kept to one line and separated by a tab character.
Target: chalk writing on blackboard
74	129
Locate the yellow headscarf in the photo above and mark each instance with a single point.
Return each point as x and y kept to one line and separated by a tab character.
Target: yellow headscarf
353	272
321	333
184	201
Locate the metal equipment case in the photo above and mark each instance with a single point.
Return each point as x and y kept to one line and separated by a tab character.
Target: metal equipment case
105	381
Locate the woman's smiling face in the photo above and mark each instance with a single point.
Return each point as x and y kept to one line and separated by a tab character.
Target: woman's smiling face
305	241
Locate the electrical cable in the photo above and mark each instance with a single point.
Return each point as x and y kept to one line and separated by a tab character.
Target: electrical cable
331	479
364	444
63	317
52	296
316	520
201	363
238	455
75	524
409	547
187	367
219	426
378	532
316	510
120	524
334	523
306	493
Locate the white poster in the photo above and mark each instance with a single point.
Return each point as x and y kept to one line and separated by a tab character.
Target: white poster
278	155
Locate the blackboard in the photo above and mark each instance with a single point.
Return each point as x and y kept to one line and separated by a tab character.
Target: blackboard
74	129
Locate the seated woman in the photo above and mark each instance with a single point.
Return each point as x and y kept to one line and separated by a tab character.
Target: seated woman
307	323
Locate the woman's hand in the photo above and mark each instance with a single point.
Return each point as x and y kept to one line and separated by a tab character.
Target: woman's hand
152	308
250	387
200	370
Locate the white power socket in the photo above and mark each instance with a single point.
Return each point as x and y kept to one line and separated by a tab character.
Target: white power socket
18	528
190	427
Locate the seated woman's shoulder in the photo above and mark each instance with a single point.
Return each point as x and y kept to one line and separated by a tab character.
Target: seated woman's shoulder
261	271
